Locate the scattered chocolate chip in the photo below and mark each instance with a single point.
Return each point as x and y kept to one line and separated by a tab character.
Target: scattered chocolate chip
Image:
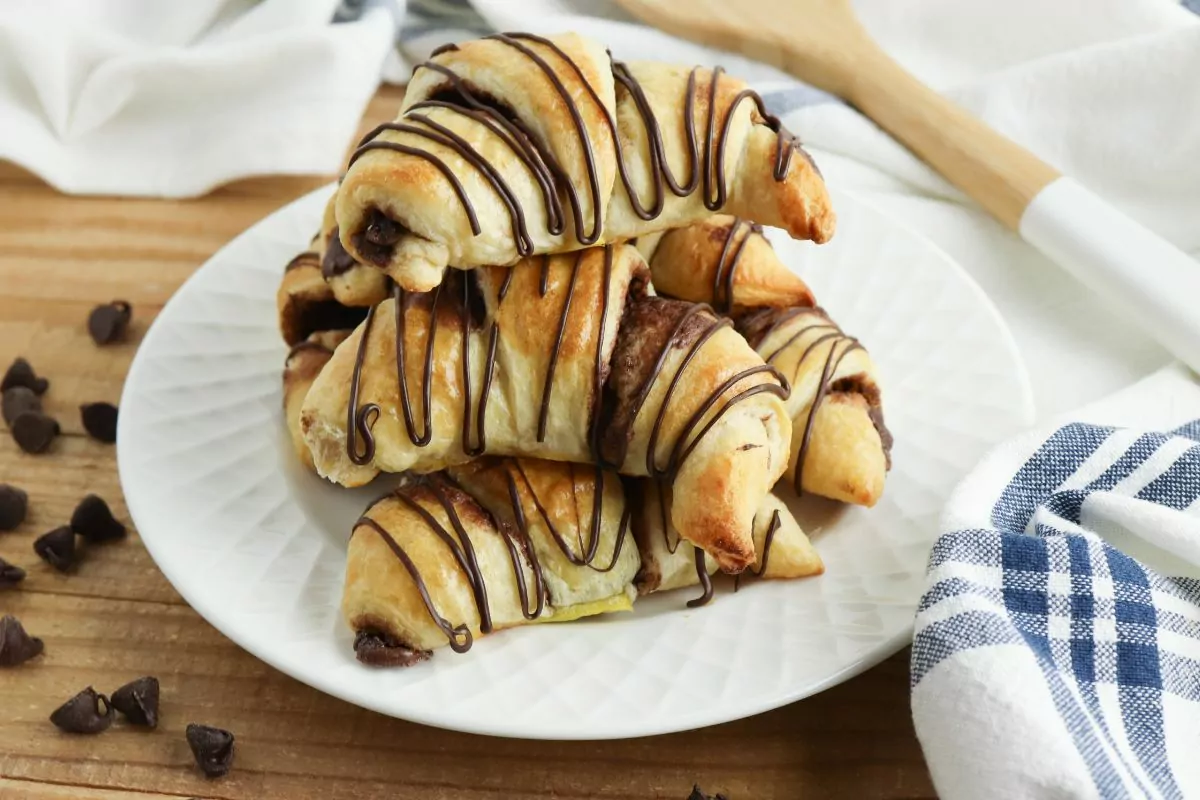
377	650
57	548
33	431
698	794
10	574
212	747
21	373
94	522
16	646
100	421
138	701
14	504
17	401
107	323
82	713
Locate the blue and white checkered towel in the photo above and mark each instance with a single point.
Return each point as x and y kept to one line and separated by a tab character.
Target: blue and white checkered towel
1057	649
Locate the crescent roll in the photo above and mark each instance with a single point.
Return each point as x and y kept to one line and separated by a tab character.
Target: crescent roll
304	362
782	550
844	448
498	361
306	304
451	556
352	283
841	447
723	261
694	405
560	357
517	144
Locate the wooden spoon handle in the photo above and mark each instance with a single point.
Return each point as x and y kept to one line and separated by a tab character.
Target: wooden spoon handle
999	174
1138	272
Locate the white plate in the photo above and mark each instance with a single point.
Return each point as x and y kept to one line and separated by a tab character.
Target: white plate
256	544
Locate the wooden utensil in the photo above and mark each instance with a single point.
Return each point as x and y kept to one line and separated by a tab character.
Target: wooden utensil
823	43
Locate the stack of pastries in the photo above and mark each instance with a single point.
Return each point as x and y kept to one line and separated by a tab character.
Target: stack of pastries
530	299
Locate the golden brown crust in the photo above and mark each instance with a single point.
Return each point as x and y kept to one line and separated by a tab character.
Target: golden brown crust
722	435
720	432
669	562
406	582
527	328
847	452
723	261
555	506
416	197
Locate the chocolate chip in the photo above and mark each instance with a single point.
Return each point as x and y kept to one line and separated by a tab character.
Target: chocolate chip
10	574
377	650
17	401
138	701
100	421
212	747
107	323
57	548
83	714
698	794
14	504
94	522
21	373
33	431
16	646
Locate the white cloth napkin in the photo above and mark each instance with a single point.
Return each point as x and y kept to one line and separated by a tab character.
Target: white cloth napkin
1046	662
174	98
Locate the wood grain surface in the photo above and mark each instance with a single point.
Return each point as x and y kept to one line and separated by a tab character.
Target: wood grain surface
116	618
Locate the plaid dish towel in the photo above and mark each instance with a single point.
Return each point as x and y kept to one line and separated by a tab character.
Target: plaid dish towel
1057	649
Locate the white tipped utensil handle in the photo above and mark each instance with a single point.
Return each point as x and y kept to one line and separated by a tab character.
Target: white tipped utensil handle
1133	268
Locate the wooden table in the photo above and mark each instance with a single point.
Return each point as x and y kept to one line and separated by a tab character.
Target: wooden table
117	618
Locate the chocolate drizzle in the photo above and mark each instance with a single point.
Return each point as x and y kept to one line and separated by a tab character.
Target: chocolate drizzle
361	417
586	553
727	264
689	436
707	161
360	420
474	421
705	581
448	495
767	540
759	326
